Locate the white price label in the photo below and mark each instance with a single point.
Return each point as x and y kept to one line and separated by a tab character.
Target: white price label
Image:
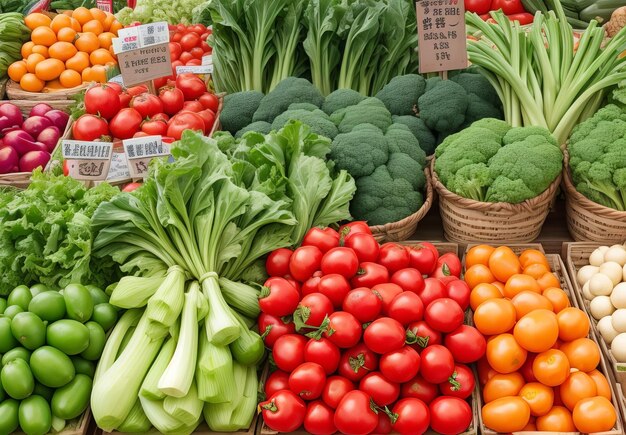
87	160
117	79
119	167
194	69
207	60
141	150
145	35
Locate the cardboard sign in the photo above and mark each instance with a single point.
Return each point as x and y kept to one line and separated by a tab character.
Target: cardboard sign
441	32
87	160
145	64
140	151
145	35
105	5
119	167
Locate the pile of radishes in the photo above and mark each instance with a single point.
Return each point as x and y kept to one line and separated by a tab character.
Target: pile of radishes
603	283
26	144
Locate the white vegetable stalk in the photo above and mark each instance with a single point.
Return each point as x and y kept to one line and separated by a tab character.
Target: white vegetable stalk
109	354
214	375
137	421
166	304
221	326
134	291
187	409
150	388
158	417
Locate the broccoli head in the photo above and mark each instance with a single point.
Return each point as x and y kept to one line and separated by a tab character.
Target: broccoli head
476	84
360	151
497	126
607	113
319	122
400	95
369	111
402	166
443	107
340	99
504	189
597	179
401	140
477	108
258	126
303	106
380	198
471	181
238	110
290	90
519	134
424	136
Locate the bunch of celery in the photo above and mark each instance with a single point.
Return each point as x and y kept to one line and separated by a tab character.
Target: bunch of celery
541	78
190	238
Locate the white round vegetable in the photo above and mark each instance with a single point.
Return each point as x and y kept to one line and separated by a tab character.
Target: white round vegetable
618	319
617	245
600	285
585	273
605	326
617	254
601	306
624	273
618	296
613	270
618	347
596	258
603	249
586	293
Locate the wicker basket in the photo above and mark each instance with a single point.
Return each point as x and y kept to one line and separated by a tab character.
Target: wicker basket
3	87
405	228
217	125
465	220
15	92
588	220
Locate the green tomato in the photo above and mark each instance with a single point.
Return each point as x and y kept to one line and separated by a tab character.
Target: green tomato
35	416
78	302
29	330
50	306
98	296
97	339
7	341
70	401
16	353
3	305
20	296
38	288
52	367
84	367
105	315
17	379
69	336
9	420
43	391
12	310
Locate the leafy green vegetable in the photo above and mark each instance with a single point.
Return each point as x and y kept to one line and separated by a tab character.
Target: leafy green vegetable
152	11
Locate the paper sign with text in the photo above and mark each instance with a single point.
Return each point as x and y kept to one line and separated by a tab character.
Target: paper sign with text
145	64
105	5
141	150
207	60
441	32
119	167
194	69
145	35
87	160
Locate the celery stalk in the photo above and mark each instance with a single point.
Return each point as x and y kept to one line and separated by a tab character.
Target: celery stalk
214	374
128	321
134	292
160	419
241	297
221	325
125	340
187	409
244	413
149	388
166	304
219	416
137	421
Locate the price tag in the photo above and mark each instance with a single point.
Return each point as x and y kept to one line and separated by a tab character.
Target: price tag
145	35
119	167
195	69
141	150
117	79
88	160
207	60
105	5
145	64
441	32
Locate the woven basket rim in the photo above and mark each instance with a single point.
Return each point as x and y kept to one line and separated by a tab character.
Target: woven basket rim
582	200
413	219
527	206
15	92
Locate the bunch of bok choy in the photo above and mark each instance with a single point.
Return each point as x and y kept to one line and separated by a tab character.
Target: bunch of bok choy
190	239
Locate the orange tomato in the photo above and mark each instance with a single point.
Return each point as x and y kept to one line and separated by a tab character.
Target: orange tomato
551	367
27	49
505	354
539	398
595	414
548	280
494	316
87	75
49	69
483	292
99	73
93	26
67	34
75	25
530	427
537	331
557	297
60	22
500	286
100	56
519	283
583	354
17	70
41	49
573	324
533	256
78	62
478	254
29	82
98	14
36	19
106	39
62	51
106	24
602	385
528	301
504	263
478	274
70	78
536	270
116	26
68	13
558	419
32	61
87	42
576	387
82	15
43	36
502	385
507	414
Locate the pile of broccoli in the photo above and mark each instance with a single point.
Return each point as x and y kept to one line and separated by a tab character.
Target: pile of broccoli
493	162
597	149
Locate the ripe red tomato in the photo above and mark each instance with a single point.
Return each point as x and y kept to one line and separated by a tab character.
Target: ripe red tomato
420	388
364	245
175	50
466	344
147	105
277	263
90	128
406	308
172	99
460	292
311	285
185	57
209	119
271	328
153	127
450	415
197	53
129	187
194	62
394	257
191	85
413	416
363	304
276	381
319	419
354	414
460	384
387	292
312	310
423	258
448	265
284	411
400	365
116	87
323	238
323	352
210	101
433	289
125	124
424	334
160	117
370	274
340	260
278	297
437	364
102	100
189	41
343	329
384	424
509	7
288	351
409	279
356	362
384	335
193	106
354	227
382	391
184	121
478	6
304	262
335	286
307	380
336	387
444	315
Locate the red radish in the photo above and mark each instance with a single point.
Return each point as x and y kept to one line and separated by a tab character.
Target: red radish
36	124
33	159
40	110
49	137
59	118
9	160
12	112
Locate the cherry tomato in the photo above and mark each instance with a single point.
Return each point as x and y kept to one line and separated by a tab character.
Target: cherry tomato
394	257
369	275
277	263
152	127
384	335
413	416
210	101
387	292
437	364
288	351
336	387
323	352
433	289
406	308
312	310
460	292
419	388
319	419
448	265
342	261
357	362
400	365
364	245
278	297
409	279
460	384
184	121
125	124
283	412
304	262
363	303
335	286
307	380
450	415
466	344
423	259
343	329
424	334
275	382
382	391
354	415
444	315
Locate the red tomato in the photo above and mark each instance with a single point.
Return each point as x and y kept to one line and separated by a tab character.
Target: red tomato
116	87
423	259
175	50
197	52
193	106
523	18
323	238
409	279
185	57
204	36
152	127
307	380
130	186
275	382
384	424
173	100
199	28
319	419
394	257
433	289
444	315
206	47
413	416
210	101
125	98
136	90
305	261
277	263
324	353
466	344
478	6
278	297
353	228
460	292
193	62
450	415
160	117
283	412
509	7
102	100
382	391
354	414
312	310
184	121
189	41
191	85
336	387
340	260
288	351
419	388
364	245
140	134
335	286
460	384
437	364
387	292
176	37
209	119
448	264
344	329
406	308
125	124
271	328
370	274
363	304
89	128
384	335
311	285
424	334
356	362
400	365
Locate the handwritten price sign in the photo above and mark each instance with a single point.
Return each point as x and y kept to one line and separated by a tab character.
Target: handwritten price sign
140	151
88	160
